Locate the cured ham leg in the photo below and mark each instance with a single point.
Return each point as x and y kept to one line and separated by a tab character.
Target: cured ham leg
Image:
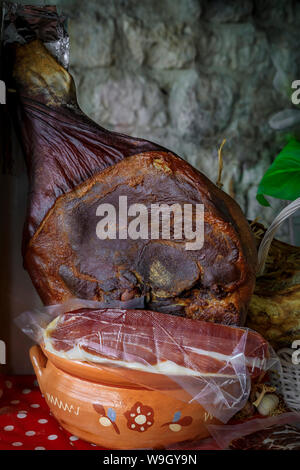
74	165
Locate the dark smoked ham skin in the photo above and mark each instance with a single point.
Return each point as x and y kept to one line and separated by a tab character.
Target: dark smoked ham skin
74	165
149	337
84	150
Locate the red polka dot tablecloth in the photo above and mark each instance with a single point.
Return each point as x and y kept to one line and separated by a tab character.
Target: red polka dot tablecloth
26	422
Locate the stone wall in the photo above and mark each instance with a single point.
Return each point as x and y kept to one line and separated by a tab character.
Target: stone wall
188	73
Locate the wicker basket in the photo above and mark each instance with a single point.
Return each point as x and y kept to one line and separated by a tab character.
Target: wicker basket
288	382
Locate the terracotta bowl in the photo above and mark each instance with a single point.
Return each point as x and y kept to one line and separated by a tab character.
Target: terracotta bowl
104	408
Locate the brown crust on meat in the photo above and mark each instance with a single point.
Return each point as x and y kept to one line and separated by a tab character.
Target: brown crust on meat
216	282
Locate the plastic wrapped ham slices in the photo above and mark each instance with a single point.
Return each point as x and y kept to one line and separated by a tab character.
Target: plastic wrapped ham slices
200	361
74	165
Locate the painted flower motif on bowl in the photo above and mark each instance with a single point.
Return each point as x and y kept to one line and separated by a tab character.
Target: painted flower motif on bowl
106	419
140	417
177	423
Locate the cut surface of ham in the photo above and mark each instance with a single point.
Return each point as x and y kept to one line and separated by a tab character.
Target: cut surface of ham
155	342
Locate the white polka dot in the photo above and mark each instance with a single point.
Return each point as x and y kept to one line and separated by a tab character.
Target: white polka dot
15	402
42	421
52	437
30	433
73	438
26	391
35	405
8	383
39	448
21	415
17	444
9	428
94	445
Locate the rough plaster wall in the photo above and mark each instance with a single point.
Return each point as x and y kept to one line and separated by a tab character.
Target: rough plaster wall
184	73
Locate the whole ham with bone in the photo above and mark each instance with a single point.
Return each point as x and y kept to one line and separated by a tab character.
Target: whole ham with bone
74	165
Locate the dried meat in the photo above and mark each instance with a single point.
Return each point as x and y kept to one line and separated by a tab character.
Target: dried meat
74	165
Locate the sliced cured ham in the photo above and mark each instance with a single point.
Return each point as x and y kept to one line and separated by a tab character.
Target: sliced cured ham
155	342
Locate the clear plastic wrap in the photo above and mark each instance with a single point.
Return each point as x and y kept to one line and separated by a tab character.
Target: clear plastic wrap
252	434
203	362
22	23
241	430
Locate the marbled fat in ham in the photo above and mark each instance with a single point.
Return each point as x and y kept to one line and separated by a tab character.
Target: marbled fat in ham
149	338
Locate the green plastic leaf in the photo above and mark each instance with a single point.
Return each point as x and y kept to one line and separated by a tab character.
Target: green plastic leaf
282	179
